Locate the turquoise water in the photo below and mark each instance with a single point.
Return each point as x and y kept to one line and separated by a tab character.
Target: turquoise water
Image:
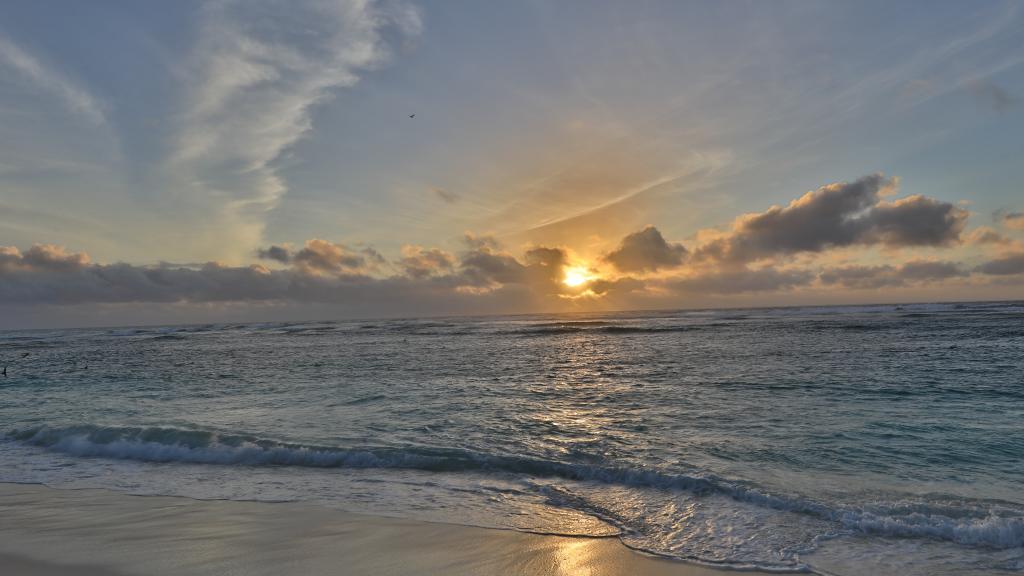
854	440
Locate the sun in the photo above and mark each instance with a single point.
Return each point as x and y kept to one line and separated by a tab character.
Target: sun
577	275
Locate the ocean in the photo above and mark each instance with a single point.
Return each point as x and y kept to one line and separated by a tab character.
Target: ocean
838	440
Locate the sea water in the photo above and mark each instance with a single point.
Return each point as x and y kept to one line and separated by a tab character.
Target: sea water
840	440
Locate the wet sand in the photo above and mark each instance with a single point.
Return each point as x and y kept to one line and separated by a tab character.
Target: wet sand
48	532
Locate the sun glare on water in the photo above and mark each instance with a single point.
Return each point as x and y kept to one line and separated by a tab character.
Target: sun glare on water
577	275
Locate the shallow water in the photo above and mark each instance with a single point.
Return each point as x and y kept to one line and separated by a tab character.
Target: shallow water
853	440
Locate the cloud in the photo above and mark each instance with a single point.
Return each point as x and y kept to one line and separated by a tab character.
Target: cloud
991	95
323	272
1012	220
50	274
926	270
986	235
418	262
839	215
870	277
485	266
477	242
323	257
913	221
282	254
446	196
320	272
485	274
259	68
373	258
736	281
75	98
9	256
645	251
1004	266
546	263
50	257
623	285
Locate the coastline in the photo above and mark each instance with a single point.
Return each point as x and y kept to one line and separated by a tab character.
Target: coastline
55	532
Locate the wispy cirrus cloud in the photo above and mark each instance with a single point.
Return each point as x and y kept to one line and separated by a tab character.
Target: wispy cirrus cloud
46	79
260	68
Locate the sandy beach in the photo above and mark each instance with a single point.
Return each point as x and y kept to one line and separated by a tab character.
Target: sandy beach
548	287
50	532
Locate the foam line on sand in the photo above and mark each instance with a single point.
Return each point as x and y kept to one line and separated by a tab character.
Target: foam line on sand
50	532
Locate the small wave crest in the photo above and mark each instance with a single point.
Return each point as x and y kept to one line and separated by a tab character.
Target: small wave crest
981	524
646	329
575	323
173	336
548	330
604	328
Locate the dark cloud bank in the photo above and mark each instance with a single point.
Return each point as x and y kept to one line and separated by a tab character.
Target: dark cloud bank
868	277
646	251
755	254
840	215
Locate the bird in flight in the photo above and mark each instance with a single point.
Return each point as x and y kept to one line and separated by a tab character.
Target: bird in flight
412	115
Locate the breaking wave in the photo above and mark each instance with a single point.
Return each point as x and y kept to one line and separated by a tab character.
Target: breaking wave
971	523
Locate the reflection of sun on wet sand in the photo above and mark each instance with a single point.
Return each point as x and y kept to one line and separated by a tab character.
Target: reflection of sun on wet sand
105	534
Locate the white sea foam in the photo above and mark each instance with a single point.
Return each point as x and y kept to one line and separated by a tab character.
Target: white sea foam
972	524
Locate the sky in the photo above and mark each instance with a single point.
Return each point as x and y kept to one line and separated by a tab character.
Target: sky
267	160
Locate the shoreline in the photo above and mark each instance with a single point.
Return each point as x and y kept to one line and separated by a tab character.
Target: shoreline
91	532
